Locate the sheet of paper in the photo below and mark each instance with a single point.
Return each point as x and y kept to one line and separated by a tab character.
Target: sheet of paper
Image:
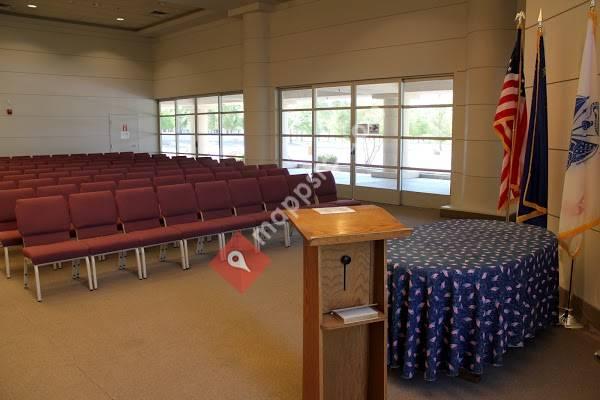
334	210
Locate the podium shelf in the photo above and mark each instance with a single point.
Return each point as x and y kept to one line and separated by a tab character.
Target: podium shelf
330	322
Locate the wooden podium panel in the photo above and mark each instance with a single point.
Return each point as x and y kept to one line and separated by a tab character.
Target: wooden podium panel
345	361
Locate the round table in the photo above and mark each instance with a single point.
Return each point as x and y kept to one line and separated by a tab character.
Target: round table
462	291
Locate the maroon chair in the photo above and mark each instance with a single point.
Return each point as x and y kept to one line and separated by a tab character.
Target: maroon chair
224	176
112	170
45	226
246	196
221	168
276	171
109	177
9	172
9	235
139	212
168	172
275	192
55	174
38	171
78	180
326	192
34	183
134	183
168	180
195	178
140	174
4	185
230	162
179	210
99	229
268	166
57	190
97	186
253	173
19	177
197	170
85	172
301	189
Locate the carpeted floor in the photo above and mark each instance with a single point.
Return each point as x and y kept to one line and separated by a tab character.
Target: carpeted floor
189	335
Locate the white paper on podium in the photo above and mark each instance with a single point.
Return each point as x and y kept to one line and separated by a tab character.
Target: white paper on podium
334	210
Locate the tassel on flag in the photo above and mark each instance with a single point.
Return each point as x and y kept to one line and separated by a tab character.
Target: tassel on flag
510	123
533	205
580	208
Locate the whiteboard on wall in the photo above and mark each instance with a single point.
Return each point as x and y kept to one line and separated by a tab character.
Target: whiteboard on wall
124	132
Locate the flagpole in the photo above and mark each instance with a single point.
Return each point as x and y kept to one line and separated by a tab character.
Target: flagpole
567	319
520	17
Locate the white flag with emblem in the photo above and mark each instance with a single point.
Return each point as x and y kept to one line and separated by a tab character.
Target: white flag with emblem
581	191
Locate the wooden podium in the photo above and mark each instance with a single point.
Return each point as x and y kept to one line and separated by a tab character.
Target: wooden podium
345	361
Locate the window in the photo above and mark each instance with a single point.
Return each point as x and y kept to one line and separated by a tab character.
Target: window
394	135
203	126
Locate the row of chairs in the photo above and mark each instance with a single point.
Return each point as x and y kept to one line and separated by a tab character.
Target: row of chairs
186	212
134	179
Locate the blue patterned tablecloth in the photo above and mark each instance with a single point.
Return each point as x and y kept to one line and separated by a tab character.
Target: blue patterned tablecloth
462	291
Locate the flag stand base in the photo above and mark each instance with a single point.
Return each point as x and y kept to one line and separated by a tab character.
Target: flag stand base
597	355
568	320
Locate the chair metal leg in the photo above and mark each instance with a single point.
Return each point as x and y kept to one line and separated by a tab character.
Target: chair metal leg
59	265
139	264
54	266
187	253
221	237
91	278
144	270
95	276
122	260
286	234
73	271
255	235
38	289
200	246
25	273
7	263
182	252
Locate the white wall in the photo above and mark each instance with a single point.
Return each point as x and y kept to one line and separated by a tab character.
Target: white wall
62	82
564	33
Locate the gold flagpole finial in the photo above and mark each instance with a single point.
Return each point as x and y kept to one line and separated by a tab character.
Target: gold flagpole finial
592	3
540	20
520	18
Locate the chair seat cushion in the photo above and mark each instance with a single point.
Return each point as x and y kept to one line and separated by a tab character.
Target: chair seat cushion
10	238
154	236
242	221
339	203
199	228
112	243
60	251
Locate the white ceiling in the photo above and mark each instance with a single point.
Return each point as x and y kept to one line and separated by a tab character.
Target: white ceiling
137	13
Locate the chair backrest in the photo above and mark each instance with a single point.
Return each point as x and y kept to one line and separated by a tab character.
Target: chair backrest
140	174
85	172
225	176
43	220
57	190
276	171
214	200
34	183
113	170
97	186
230	162
327	190
55	174
168	180
8	201
168	171
274	190
38	171
222	168
245	195
138	209
109	177
301	188
253	173
101	222
267	166
197	170
78	180
9	172
134	183
18	177
8	185
195	178
177	203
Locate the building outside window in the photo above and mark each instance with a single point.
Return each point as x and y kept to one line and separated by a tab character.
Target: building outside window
203	126
400	130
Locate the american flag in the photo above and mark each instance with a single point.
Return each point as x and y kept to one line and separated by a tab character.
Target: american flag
504	121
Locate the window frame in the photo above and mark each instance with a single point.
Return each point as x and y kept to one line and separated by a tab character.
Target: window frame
195	114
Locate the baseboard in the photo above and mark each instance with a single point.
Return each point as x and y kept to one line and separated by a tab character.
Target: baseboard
453	213
585	312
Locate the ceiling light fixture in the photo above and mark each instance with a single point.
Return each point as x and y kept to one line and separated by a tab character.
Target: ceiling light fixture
31	6
120	19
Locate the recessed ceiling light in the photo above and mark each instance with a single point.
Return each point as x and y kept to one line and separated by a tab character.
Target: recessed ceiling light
31	6
120	19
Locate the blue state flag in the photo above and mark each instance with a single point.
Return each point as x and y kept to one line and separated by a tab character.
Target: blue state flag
533	204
